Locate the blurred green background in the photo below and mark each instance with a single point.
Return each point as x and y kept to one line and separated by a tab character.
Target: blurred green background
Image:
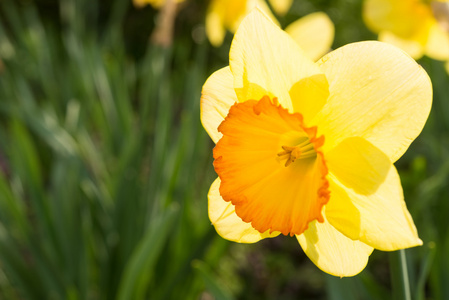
105	166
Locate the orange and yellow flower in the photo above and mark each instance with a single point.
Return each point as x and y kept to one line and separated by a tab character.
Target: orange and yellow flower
418	27
314	33
307	149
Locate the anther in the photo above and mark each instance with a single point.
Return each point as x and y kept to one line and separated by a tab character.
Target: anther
303	150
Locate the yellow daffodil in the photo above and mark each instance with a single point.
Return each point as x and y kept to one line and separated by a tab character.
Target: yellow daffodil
154	3
418	27
314	33
307	149
225	15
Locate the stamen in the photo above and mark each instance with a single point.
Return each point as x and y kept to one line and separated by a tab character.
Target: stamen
303	150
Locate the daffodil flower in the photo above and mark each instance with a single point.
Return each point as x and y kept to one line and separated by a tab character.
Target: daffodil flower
418	27
307	149
314	33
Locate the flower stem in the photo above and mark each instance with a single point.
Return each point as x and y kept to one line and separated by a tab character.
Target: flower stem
399	275
404	272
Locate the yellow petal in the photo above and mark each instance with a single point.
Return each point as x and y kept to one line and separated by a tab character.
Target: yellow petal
313	89
380	219
233	12
227	224
437	46
413	48
281	7
314	33
263	6
381	15
266	61
225	15
358	165
215	29
377	92
407	19
217	97
333	252
405	24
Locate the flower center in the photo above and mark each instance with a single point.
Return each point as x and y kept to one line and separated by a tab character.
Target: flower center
302	151
258	136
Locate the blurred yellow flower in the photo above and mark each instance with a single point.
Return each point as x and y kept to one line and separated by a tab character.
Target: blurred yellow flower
154	3
225	15
281	7
314	33
417	27
307	149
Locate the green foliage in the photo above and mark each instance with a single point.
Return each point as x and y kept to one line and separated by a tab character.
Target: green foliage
105	166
